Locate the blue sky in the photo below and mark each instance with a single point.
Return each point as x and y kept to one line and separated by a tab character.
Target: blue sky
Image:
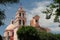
32	7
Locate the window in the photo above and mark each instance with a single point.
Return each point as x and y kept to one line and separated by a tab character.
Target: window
19	21
23	14
8	36
12	33
19	14
8	33
12	22
23	22
36	20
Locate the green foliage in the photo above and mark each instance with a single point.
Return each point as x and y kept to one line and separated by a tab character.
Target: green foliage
8	1
54	5
56	19
58	12
47	36
56	1
48	13
2	17
30	33
27	33
0	37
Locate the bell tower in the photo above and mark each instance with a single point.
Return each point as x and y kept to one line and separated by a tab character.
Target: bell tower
35	21
20	18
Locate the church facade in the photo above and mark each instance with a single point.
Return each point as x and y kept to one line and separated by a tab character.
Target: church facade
20	20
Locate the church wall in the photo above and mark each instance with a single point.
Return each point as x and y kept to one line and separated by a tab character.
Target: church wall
15	34
9	35
32	22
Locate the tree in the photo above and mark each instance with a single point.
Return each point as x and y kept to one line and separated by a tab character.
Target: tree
50	9
27	33
2	14
2	17
0	37
30	33
8	1
47	36
48	12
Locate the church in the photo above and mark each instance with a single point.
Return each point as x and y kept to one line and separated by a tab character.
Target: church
20	20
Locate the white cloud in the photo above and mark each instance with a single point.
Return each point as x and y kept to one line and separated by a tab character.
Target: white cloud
55	30
40	6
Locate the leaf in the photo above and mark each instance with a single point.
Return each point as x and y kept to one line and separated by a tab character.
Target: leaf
52	6
8	1
57	1
2	17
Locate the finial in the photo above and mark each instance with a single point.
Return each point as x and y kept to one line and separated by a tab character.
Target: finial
20	4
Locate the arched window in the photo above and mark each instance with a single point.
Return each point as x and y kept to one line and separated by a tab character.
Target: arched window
12	33
19	22
8	37
8	33
36	20
23	22
19	14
